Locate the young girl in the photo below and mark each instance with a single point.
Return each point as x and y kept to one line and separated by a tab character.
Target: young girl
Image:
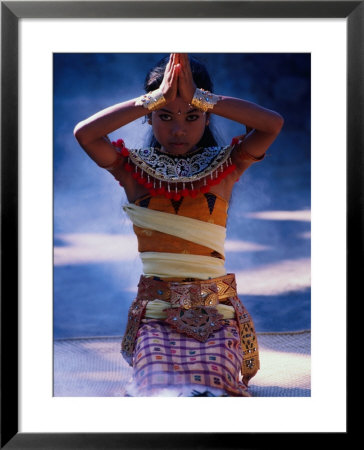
188	333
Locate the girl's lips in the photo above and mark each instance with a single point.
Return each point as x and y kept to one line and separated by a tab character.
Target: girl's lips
178	145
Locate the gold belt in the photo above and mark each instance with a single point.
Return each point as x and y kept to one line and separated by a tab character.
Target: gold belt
188	294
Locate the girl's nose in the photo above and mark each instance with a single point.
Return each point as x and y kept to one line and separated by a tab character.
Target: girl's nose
178	130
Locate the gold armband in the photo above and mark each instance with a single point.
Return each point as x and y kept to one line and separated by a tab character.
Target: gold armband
151	100
204	100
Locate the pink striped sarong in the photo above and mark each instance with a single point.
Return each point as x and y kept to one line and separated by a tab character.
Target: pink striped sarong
167	360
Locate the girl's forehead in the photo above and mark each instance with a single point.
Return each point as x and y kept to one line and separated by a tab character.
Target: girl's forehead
179	106
180	111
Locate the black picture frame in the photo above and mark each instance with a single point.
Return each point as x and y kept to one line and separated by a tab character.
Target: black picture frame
11	13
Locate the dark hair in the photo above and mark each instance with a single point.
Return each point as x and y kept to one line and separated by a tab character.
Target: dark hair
202	80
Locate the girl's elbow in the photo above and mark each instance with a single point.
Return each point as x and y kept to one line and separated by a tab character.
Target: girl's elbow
278	123
78	133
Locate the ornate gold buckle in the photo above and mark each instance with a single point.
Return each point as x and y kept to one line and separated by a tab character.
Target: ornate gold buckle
199	322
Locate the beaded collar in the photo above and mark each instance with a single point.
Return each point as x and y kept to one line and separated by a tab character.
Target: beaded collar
190	167
176	176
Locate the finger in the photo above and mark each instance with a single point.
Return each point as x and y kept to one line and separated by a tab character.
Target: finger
188	65
184	68
172	78
186	74
176	59
176	72
175	81
181	70
171	62
186	61
170	68
167	71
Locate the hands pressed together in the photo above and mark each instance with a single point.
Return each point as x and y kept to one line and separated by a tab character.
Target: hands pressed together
178	79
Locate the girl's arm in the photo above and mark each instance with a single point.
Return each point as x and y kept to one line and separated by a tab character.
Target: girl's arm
263	126
92	133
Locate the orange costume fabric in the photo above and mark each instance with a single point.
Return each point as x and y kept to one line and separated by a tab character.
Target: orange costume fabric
205	207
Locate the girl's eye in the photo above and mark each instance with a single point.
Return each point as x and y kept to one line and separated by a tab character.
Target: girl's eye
165	117
192	117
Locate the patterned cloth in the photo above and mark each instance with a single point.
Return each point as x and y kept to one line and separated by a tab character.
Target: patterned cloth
165	359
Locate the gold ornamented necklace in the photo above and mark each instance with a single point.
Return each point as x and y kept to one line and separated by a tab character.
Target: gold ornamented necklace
176	176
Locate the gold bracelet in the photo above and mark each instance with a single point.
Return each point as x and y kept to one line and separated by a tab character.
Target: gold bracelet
151	100
204	100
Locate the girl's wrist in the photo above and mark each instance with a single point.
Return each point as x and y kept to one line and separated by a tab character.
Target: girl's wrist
151	100
204	100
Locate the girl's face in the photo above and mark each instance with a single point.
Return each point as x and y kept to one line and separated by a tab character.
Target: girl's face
178	127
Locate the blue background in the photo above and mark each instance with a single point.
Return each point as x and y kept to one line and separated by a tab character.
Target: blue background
92	298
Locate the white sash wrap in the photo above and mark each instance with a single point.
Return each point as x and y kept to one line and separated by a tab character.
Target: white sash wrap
176	265
168	265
